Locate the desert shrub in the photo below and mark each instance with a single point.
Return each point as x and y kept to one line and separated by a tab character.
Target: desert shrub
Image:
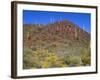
82	59
72	60
75	61
66	59
86	60
86	57
42	58
27	60
48	59
53	61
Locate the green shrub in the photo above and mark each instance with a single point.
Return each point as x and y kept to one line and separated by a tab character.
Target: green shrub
73	60
42	58
86	57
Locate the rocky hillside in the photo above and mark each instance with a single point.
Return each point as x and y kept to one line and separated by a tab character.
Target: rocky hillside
61	35
63	38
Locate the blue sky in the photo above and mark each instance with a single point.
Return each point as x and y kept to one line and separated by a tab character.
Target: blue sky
45	17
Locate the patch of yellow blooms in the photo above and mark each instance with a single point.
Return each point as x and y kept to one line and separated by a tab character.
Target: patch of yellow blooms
47	59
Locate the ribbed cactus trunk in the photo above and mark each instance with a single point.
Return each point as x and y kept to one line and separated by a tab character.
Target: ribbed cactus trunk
76	34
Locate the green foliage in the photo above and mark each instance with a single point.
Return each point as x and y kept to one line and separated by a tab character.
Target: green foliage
86	57
41	58
27	59
72	60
